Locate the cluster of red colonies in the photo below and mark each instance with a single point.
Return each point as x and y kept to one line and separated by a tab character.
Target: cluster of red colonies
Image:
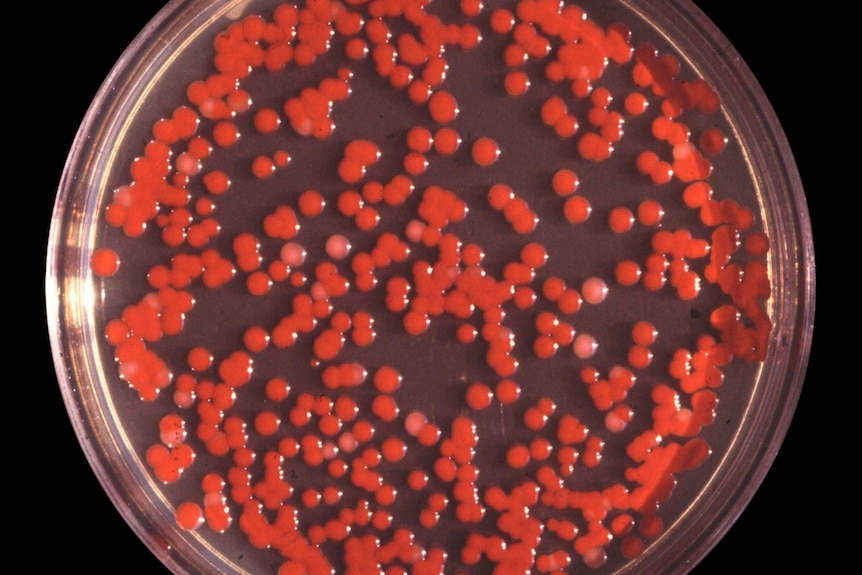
523	515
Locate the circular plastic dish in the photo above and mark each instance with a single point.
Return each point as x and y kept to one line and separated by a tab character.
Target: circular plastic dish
430	287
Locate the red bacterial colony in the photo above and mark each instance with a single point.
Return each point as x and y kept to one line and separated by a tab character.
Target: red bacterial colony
399	320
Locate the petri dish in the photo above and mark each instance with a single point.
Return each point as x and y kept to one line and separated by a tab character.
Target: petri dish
607	499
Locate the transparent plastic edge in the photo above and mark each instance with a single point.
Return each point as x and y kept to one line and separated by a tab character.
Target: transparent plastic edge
794	291
65	326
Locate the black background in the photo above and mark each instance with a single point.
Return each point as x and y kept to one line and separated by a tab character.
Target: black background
787	524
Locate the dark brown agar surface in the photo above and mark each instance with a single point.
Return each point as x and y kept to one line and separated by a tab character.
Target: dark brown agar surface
774	510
